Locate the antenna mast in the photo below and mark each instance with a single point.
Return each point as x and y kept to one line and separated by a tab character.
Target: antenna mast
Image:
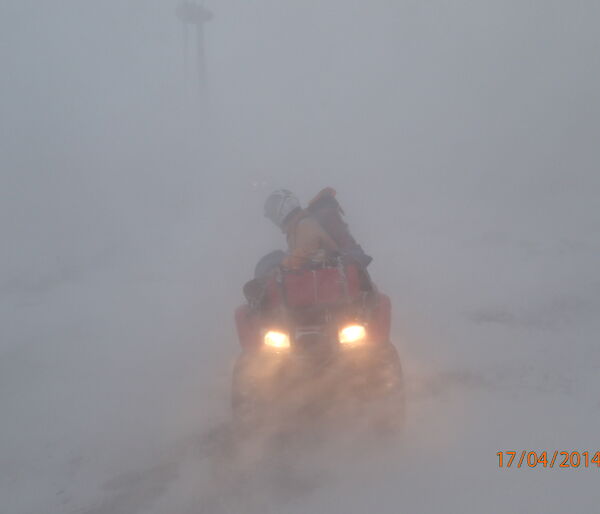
192	14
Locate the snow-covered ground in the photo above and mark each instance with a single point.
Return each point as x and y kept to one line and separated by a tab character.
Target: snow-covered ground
462	139
111	401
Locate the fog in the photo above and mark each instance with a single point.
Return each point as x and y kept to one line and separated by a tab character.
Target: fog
462	139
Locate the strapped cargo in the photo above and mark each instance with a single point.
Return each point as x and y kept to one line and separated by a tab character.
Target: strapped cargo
321	287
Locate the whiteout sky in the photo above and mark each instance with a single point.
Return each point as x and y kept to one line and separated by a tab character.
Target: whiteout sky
462	138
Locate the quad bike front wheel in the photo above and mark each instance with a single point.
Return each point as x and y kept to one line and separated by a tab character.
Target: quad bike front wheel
388	407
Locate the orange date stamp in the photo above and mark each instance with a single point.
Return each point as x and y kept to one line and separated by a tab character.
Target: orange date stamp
548	459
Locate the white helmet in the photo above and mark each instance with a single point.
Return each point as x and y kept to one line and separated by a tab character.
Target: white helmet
280	205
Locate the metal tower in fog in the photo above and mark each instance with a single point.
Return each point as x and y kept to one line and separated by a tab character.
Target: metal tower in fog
192	14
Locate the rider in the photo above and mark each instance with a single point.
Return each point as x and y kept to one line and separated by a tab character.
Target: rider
307	240
316	233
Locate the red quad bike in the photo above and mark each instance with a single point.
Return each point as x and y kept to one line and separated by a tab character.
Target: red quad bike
315	348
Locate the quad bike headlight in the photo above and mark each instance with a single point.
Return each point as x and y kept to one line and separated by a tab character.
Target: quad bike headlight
277	340
352	335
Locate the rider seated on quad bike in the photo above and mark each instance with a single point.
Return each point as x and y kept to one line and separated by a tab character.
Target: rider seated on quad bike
313	234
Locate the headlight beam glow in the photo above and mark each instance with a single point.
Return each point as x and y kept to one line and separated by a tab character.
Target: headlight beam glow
352	334
277	340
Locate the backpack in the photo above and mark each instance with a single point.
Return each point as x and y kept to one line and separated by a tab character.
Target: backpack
327	211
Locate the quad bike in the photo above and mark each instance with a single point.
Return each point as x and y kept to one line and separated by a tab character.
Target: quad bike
316	349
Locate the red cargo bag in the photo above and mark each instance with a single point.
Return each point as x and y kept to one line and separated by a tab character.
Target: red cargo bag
322	287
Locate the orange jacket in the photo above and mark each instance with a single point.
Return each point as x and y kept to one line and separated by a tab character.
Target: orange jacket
306	241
